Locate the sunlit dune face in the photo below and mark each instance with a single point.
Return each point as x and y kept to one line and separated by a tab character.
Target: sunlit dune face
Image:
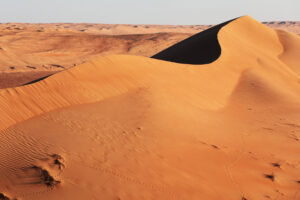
130	127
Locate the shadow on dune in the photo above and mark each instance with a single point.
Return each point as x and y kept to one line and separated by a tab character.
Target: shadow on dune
201	48
37	80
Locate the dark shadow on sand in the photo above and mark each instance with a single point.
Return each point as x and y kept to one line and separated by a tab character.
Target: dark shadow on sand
201	48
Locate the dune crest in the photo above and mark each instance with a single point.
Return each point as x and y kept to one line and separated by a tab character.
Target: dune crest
128	127
201	48
94	81
291	49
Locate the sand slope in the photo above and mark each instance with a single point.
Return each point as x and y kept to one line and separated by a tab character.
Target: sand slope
54	47
128	127
29	50
201	48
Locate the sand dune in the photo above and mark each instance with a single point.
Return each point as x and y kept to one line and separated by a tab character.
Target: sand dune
127	29
290	26
13	79
201	48
39	49
129	127
29	50
54	47
28	55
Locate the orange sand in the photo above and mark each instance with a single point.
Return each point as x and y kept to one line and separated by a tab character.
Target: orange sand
55	47
128	127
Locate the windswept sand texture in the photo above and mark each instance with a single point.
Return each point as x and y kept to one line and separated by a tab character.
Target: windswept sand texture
124	127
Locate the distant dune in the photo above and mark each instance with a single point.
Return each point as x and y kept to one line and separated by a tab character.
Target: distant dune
123	127
39	53
56	51
127	29
54	47
39	49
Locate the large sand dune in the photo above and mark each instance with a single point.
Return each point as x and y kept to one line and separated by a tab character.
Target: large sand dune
31	51
127	127
54	47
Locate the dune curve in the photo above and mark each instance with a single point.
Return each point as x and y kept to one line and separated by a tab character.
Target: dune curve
234	38
128	127
290	44
201	48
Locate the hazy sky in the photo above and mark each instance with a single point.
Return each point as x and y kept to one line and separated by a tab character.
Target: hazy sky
146	11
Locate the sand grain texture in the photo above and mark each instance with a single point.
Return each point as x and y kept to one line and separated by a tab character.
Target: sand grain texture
128	127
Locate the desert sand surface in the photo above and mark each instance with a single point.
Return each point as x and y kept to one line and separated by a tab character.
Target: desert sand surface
290	26
127	29
54	47
26	54
28	50
124	127
13	79
39	49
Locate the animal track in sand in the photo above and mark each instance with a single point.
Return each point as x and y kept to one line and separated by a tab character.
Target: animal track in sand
270	176
294	137
53	161
275	165
292	125
214	146
57	160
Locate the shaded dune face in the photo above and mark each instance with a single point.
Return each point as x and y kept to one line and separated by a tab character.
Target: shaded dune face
130	128
37	80
14	79
29	50
291	50
201	48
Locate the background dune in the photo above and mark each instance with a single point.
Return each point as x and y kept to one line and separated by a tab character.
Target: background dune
127	29
131	127
42	49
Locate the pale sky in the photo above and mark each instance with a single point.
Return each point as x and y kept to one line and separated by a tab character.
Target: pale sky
146	11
